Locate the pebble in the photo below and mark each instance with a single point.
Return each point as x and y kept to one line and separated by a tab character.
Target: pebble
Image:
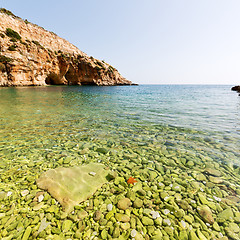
133	233
109	207
124	203
24	193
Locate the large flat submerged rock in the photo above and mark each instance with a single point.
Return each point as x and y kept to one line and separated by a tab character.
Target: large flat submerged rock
70	186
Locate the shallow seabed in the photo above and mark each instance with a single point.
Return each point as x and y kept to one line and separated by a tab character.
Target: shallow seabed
181	144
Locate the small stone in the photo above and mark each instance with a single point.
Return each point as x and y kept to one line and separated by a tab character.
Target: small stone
200	235
133	233
166	222
200	177
193	236
24	193
206	214
226	214
155	214
183	235
125	226
147	221
215	179
124	203
122	217
27	233
116	232
234	227
213	172
40	198
104	234
231	234
92	173
9	194
109	207
66	226
166	211
216	227
97	215
138	203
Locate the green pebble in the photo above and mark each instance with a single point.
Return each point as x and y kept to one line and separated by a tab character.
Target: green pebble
234	227
27	233
193	236
183	235
147	221
104	234
231	234
66	226
109	215
138	203
226	214
216	227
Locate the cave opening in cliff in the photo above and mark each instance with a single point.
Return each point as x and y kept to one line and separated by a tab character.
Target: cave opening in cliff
53	79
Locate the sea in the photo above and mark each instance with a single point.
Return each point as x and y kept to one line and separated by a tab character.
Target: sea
184	128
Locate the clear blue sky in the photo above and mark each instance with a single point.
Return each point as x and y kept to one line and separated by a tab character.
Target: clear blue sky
148	41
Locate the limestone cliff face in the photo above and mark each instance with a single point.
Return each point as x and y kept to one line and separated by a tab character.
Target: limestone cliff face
30	55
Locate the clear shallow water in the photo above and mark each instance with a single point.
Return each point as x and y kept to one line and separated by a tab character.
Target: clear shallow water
36	118
180	142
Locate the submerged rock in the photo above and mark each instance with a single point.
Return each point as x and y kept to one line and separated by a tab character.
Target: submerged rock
206	214
70	186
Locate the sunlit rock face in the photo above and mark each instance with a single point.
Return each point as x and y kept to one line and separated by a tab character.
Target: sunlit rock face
30	55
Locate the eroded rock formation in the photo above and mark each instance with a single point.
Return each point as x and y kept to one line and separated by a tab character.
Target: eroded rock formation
30	55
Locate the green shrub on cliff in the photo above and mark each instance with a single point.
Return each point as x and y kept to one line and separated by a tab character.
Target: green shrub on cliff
2	67
4	59
12	48
12	34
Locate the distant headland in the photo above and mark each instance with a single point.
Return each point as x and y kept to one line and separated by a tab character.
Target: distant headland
236	88
33	56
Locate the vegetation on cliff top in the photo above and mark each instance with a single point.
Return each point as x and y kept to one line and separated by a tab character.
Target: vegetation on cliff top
13	34
3	10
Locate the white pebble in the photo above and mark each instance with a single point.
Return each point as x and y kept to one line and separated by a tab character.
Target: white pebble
184	225
217	198
167	221
109	207
133	233
9	193
24	193
92	173
155	214
166	198
166	211
40	198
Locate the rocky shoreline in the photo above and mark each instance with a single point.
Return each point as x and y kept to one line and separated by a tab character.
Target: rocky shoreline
236	88
33	56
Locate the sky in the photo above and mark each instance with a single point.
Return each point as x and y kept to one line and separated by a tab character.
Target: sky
148	41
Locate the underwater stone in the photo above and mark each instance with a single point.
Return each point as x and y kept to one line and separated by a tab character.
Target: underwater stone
122	217
138	203
147	221
97	215
109	207
70	186
226	214
213	172
206	214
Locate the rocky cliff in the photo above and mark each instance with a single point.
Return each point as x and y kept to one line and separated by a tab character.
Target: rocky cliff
30	55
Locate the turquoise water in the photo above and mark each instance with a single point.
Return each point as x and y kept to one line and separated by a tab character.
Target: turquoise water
180	142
